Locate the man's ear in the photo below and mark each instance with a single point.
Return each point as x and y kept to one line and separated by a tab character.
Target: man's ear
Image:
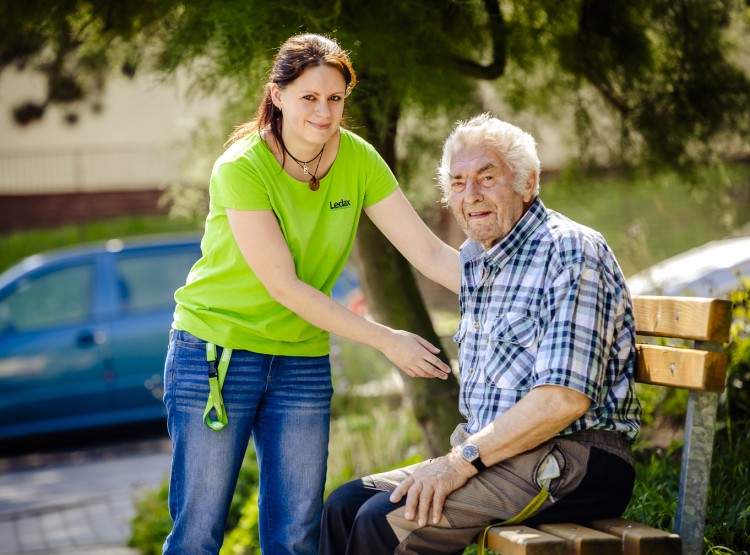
531	186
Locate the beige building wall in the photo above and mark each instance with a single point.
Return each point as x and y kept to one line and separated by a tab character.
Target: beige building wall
136	141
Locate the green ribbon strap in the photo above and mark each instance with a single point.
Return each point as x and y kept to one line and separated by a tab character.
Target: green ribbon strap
217	371
525	513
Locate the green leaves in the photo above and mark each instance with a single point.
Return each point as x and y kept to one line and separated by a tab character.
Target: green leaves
660	74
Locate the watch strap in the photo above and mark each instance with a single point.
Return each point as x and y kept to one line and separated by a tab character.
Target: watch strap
478	464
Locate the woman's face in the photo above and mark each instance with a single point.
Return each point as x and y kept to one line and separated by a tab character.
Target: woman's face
312	106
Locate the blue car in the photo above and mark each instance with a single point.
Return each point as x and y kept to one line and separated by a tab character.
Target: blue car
84	331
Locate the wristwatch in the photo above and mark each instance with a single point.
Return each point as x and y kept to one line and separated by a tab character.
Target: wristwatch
470	453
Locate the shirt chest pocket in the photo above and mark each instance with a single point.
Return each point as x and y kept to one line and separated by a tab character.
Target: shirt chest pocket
460	335
511	351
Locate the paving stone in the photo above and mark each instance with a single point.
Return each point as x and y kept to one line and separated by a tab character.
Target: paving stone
55	529
30	534
79	527
9	534
106	527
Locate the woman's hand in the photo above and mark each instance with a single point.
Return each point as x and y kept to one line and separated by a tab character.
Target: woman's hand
415	356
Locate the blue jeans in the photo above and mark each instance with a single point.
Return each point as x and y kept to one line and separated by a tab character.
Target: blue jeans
283	402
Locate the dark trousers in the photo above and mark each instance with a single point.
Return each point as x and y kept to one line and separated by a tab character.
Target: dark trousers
355	516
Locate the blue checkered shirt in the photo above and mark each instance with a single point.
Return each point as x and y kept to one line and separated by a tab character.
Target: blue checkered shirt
548	305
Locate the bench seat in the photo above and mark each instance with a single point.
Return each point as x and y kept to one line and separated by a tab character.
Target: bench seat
601	537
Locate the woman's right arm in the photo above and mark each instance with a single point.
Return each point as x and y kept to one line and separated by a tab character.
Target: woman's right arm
395	217
263	246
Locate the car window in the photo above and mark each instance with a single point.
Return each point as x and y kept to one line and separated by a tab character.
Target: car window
149	282
57	298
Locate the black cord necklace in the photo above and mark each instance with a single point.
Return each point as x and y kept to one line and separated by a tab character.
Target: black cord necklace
314	181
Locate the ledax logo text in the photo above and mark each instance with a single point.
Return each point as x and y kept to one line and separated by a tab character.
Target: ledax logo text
340	204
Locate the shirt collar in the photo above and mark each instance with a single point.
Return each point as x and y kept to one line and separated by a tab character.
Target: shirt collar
507	247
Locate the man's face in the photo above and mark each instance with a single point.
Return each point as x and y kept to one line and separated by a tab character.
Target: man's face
482	197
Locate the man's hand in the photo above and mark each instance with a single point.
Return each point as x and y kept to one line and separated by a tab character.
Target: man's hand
430	484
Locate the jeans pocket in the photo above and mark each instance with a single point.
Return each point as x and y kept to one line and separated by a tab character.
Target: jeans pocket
187	373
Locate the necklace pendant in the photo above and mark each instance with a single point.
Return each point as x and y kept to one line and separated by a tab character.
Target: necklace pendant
304	169
314	184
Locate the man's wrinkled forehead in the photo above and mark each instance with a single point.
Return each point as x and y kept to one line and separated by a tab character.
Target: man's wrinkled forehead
486	167
484	157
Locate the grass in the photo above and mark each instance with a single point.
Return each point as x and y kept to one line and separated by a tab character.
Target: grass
386	438
727	529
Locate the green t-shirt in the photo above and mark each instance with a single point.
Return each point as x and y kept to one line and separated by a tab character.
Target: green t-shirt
223	302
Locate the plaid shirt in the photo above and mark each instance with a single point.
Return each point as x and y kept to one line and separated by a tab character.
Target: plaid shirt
548	305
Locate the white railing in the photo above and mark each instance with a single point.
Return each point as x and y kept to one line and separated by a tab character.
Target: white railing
77	170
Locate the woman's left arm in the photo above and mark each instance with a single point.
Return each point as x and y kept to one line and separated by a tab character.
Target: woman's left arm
399	222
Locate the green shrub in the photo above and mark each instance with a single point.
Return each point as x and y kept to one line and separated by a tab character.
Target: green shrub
737	406
728	520
247	487
243	538
151	523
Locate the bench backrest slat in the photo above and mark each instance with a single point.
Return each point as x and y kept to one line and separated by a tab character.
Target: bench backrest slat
695	318
685	368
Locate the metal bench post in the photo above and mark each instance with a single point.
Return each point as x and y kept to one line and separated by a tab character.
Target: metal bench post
700	422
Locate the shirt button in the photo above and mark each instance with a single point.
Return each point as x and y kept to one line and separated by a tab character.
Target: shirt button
471	370
476	325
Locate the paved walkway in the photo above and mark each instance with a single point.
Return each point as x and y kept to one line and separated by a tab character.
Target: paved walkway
81	503
95	526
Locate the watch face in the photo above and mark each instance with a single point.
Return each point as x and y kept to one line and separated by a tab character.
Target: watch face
469	452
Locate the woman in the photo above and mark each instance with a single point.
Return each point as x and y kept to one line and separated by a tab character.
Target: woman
286	198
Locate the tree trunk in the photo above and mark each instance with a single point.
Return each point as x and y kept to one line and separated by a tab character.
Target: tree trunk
393	296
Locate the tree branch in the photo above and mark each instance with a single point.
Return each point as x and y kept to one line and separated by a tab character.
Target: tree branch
590	69
607	92
497	31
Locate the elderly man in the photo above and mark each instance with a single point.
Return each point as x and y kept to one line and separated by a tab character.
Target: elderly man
546	356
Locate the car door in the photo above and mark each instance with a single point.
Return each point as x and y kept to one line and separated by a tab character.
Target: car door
147	279
51	350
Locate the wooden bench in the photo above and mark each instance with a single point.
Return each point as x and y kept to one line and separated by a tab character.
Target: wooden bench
702	370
